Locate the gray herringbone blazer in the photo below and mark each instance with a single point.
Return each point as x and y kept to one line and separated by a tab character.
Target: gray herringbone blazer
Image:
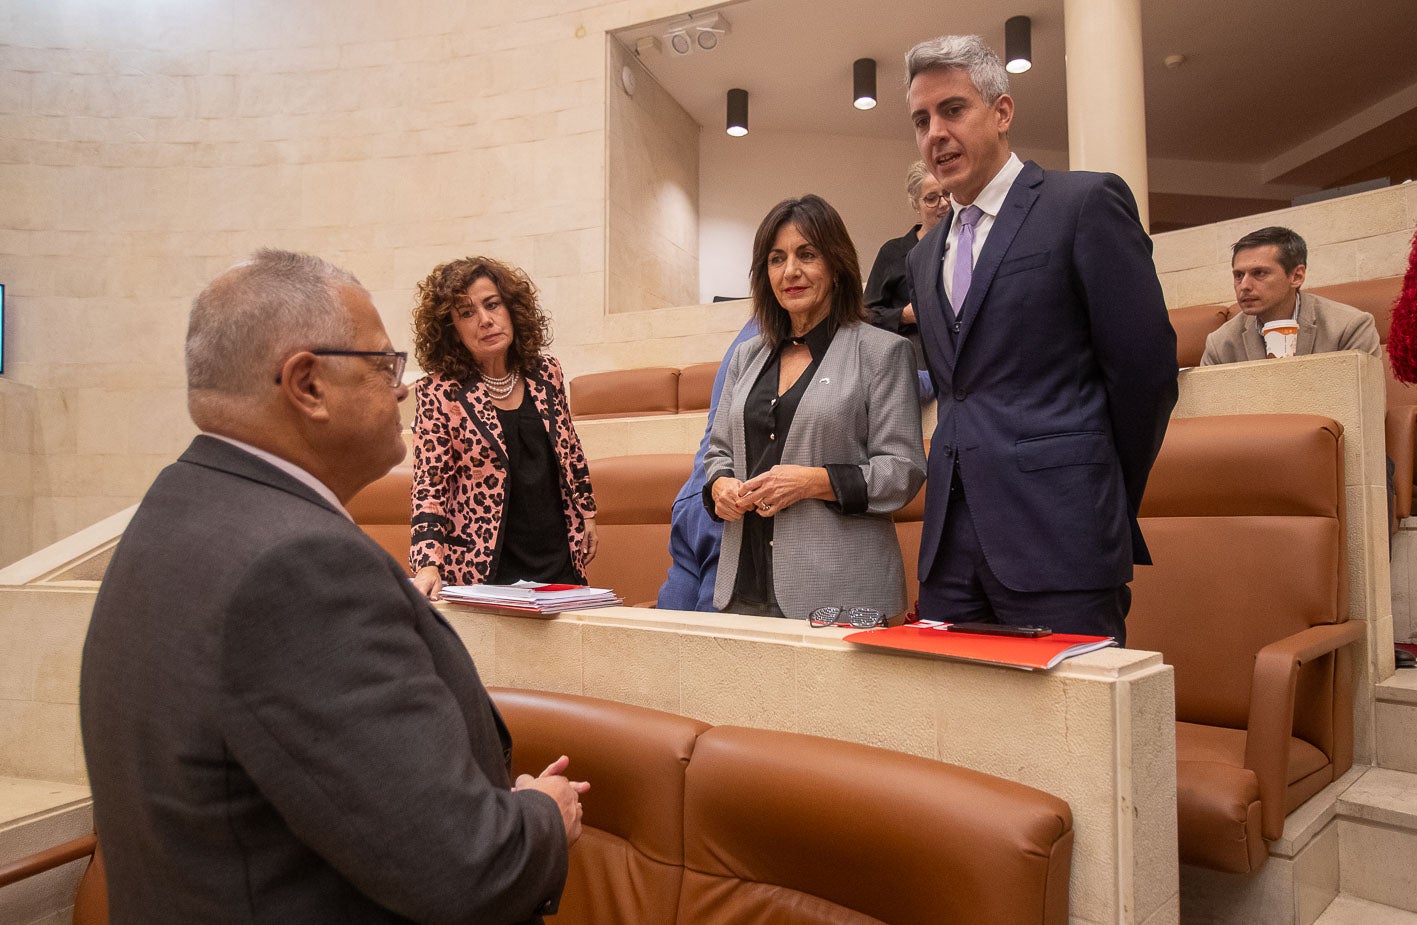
860	408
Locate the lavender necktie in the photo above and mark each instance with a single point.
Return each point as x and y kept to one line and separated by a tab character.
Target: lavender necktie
964	261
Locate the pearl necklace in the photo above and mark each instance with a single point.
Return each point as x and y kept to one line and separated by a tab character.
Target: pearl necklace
501	388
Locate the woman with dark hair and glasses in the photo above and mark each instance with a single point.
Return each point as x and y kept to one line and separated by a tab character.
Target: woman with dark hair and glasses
817	437
501	490
887	292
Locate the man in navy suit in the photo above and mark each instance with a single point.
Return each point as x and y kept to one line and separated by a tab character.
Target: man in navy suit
1047	337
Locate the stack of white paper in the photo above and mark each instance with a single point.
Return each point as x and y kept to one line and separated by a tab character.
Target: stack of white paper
529	597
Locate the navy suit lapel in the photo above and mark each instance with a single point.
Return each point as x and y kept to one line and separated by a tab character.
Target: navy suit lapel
935	316
1017	203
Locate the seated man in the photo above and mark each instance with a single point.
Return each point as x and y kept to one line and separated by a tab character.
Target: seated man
278	725
1268	268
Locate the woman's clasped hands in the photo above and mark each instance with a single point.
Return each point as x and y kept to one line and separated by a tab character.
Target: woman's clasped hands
771	492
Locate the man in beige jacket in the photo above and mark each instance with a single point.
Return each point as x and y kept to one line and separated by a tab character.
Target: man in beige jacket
1268	268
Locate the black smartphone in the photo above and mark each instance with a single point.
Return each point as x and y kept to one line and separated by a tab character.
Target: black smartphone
1001	629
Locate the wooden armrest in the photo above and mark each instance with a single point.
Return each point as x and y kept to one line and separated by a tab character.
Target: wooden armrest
1399	432
48	859
1271	721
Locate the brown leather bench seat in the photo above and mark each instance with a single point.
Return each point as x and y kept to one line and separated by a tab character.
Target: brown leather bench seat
713	825
642	391
1247	600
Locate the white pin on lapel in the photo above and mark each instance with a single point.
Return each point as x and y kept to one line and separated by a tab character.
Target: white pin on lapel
825	380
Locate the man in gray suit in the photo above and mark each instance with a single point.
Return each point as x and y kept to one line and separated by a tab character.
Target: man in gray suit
278	726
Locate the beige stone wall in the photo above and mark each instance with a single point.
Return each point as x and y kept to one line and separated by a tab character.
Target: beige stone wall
16	469
143	149
652	162
1357	237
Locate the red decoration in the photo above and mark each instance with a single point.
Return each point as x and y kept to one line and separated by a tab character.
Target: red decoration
1402	340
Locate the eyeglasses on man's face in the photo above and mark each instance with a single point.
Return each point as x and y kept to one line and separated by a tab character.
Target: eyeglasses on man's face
389	362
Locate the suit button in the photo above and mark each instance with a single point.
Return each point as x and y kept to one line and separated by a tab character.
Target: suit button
960	394
956	327
948	451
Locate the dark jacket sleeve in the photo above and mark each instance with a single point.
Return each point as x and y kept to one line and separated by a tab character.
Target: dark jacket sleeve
374	740
1131	332
887	291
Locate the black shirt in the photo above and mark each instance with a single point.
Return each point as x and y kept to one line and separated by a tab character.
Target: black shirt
888	291
536	542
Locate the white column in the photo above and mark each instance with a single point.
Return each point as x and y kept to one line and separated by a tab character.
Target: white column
1106	96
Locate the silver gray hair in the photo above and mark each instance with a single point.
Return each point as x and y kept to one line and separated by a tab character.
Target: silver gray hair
249	319
914	180
964	52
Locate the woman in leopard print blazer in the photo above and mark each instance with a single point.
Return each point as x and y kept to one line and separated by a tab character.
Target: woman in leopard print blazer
501	490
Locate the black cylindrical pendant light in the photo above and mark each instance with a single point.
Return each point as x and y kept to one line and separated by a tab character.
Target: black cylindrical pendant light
863	83
1018	44
737	112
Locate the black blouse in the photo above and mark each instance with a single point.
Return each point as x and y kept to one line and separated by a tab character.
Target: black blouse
536	542
888	291
767	421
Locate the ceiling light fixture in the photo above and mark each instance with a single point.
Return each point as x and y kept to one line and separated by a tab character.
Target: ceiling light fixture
1018	44
699	33
863	83
737	112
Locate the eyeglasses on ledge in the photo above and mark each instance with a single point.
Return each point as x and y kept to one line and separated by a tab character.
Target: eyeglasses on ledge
861	618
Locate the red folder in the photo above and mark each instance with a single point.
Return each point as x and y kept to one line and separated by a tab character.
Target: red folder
1011	651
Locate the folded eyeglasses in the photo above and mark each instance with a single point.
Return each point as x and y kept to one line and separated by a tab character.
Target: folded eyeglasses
861	618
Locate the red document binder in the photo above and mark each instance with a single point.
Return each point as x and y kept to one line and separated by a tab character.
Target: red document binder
1010	651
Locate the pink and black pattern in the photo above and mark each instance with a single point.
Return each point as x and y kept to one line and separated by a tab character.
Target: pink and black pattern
460	473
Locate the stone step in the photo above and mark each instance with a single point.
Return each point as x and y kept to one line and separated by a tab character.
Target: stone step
1396	706
34	815
1350	910
1377	839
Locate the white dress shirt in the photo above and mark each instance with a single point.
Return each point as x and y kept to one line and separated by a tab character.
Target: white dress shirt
990	200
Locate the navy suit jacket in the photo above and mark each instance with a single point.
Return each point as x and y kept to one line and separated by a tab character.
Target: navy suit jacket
1055	391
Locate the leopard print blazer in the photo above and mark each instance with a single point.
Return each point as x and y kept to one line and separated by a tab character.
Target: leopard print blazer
460	473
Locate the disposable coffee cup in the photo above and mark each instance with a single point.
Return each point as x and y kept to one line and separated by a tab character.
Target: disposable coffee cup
1281	338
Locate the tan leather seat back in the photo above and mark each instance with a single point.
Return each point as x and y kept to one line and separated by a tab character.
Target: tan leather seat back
1193	324
628	864
91	900
383	508
841	834
635	497
1374	296
696	386
1243	515
625	393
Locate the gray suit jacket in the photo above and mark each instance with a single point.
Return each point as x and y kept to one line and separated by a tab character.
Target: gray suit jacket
860	408
1325	326
279	728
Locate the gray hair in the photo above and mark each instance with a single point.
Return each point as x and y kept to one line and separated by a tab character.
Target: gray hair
965	52
914	180
253	316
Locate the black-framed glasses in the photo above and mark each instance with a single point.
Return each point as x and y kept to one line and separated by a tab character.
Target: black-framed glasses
392	362
933	199
861	618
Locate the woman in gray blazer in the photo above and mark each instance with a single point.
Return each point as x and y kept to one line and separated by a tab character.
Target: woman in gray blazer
817	439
